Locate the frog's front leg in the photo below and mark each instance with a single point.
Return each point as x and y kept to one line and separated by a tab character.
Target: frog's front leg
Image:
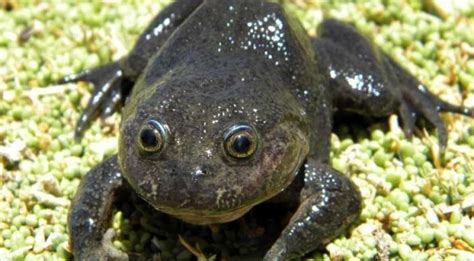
363	79
91	212
113	82
329	203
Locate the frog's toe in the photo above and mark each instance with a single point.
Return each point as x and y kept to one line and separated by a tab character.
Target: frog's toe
418	102
111	104
109	251
447	107
408	115
104	250
98	101
97	76
106	97
412	107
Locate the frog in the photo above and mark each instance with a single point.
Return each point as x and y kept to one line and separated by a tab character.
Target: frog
227	105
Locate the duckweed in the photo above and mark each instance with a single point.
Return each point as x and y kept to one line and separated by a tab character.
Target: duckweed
412	206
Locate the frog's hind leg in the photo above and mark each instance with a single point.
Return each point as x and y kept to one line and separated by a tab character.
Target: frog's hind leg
112	82
157	33
108	82
418	101
330	202
364	79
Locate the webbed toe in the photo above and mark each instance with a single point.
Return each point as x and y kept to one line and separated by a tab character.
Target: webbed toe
106	98
417	101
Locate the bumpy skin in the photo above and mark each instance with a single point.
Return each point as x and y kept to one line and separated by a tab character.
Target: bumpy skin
365	80
202	67
90	216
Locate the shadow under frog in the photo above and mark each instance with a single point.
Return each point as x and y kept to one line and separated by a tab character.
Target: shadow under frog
230	109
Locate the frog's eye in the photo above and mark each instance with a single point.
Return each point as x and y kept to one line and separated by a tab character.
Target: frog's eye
153	136
240	141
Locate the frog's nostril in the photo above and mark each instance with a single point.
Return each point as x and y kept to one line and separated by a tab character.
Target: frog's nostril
200	171
171	171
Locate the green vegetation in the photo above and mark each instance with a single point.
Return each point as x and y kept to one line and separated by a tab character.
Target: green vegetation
416	205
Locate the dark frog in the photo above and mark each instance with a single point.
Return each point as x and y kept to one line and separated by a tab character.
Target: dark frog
228	105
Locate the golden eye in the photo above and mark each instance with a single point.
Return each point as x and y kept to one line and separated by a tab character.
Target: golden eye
153	136
240	141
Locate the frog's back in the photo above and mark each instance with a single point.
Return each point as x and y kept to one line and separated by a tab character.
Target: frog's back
244	40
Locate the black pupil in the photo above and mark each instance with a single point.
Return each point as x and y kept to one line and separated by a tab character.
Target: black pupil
148	138
242	144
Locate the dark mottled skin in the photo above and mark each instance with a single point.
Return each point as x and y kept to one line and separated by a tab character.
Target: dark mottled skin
202	67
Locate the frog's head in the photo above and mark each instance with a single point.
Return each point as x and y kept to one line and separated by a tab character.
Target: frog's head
208	156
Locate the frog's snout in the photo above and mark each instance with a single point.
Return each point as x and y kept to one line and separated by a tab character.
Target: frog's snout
182	168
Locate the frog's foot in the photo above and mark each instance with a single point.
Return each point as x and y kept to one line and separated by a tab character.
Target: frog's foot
330	202
107	97
105	250
108	251
366	80
417	101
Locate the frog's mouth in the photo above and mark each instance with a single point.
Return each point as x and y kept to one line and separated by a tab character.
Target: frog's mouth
202	219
